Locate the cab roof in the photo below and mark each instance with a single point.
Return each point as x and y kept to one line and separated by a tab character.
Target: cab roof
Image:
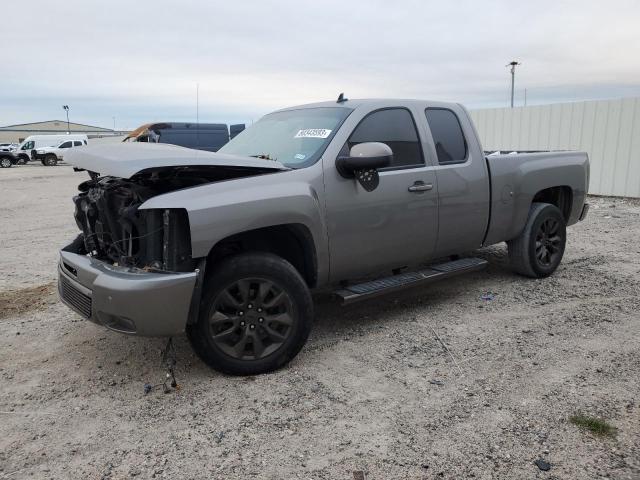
372	103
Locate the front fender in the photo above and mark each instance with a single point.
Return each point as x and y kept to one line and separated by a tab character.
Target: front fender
219	210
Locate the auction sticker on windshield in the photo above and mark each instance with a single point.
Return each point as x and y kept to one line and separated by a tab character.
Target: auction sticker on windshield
313	133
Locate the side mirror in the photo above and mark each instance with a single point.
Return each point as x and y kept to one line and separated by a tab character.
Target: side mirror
363	163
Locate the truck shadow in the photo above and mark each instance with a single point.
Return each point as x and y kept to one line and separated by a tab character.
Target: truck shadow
330	314
333	322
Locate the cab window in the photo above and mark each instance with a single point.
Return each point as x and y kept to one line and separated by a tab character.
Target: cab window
65	145
394	127
449	140
29	145
77	143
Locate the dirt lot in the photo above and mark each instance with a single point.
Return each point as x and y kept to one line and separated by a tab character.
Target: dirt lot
373	391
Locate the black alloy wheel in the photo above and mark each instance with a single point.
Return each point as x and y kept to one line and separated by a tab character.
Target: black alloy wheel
538	250
251	318
548	242
255	315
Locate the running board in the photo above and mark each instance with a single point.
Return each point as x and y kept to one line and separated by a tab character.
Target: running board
382	286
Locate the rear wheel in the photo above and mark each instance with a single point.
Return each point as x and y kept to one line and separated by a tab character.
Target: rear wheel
5	162
50	160
538	250
255	316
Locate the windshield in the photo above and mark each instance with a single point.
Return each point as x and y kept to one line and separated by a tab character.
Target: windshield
295	138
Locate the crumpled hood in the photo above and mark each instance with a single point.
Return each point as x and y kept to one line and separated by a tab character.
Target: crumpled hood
125	160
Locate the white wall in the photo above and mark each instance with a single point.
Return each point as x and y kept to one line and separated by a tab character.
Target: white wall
608	130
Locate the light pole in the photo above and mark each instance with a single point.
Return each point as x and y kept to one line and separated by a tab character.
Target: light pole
66	109
513	75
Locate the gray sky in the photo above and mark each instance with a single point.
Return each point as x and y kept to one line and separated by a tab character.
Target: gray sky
140	61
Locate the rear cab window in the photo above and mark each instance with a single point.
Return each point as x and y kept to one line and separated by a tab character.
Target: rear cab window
448	137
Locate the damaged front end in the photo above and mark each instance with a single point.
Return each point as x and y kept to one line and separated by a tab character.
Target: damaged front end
117	231
131	269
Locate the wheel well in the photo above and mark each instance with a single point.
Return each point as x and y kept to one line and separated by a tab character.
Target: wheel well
561	197
293	242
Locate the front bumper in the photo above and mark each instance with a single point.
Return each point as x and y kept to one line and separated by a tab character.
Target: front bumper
125	300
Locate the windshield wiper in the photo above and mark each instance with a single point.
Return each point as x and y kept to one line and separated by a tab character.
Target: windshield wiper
264	156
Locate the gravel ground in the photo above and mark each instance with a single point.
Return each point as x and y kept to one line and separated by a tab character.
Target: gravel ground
373	391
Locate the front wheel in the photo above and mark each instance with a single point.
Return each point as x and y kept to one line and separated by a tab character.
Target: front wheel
538	250
50	160
255	316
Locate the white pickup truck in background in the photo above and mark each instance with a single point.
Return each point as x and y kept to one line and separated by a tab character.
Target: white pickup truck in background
50	156
29	146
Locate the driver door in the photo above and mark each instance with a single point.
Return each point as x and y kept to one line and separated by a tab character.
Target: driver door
396	224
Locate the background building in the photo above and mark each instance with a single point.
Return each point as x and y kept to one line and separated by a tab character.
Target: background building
17	133
608	130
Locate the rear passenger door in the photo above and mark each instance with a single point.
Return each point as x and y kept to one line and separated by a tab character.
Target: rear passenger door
463	180
395	225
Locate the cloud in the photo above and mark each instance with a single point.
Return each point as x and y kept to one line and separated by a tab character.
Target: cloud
141	61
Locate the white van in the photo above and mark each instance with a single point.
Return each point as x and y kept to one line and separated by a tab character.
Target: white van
33	142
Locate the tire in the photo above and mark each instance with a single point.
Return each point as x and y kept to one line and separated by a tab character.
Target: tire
24	158
255	315
538	250
5	162
50	160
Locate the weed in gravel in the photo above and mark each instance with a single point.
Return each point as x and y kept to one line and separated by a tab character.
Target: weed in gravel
597	426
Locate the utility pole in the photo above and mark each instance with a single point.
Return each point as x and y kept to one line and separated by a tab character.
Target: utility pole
513	75
66	109
525	97
114	123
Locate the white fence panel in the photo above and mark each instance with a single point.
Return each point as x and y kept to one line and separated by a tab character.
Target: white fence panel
608	130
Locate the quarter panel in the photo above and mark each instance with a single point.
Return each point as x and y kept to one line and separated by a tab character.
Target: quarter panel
517	178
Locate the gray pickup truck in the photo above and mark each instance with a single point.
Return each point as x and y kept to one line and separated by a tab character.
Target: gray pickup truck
365	197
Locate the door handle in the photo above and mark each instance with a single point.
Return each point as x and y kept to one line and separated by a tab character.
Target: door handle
420	187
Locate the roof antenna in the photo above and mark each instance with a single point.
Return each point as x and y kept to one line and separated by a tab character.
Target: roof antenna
341	98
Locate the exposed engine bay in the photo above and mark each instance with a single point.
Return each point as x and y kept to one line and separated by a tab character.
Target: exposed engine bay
117	231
